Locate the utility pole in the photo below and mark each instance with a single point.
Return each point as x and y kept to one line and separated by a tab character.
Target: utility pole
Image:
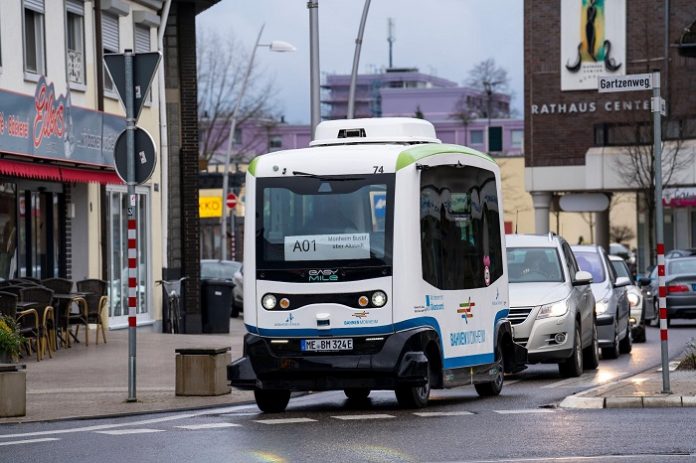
356	60
315	108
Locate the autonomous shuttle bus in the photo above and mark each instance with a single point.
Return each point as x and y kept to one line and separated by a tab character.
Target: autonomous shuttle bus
374	259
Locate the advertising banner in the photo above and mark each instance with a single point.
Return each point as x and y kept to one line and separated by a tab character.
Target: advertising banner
46	125
593	42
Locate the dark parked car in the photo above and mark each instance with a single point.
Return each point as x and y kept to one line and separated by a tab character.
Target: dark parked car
680	280
221	270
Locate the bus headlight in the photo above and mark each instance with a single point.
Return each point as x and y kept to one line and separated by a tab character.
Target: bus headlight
268	301
379	298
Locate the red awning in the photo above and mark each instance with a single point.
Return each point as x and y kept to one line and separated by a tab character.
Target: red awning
56	173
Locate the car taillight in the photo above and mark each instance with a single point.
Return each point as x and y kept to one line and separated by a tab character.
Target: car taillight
678	289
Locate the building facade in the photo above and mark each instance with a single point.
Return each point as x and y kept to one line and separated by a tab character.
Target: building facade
582	147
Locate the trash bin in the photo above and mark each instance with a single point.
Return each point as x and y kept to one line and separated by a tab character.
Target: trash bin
216	305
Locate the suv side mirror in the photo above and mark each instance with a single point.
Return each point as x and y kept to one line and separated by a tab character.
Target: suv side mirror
582	278
621	282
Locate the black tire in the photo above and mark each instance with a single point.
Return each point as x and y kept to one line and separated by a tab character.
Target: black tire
270	401
590	355
638	333
234	313
655	321
493	388
415	396
357	393
572	367
612	351
626	344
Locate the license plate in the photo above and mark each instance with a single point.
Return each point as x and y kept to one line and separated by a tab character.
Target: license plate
326	345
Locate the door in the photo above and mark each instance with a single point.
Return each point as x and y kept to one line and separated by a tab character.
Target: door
117	227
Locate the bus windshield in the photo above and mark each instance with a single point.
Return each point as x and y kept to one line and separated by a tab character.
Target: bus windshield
306	220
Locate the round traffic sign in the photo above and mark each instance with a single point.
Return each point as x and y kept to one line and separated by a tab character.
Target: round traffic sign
144	156
231	200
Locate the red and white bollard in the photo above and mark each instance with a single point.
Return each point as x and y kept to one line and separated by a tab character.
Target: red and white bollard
662	300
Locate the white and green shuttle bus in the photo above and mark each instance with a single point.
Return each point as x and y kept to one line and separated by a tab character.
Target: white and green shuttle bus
374	259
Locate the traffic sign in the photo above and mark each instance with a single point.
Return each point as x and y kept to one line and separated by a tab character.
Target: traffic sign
144	67
629	83
145	156
231	201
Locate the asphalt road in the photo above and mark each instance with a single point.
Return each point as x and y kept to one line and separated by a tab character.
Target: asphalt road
521	425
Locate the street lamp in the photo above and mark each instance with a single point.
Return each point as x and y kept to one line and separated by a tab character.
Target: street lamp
277	46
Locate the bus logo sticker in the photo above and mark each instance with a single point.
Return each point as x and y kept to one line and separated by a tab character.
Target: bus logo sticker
361	314
465	310
323	275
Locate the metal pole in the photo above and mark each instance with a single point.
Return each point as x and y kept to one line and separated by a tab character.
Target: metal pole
356	60
659	229
230	140
315	109
132	225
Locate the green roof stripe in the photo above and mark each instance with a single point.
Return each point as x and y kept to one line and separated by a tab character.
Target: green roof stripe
419	152
252	166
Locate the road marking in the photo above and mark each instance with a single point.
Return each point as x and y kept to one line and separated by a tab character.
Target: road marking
374	416
193	427
121	432
511	382
576	458
285	420
29	441
429	414
523	410
214	411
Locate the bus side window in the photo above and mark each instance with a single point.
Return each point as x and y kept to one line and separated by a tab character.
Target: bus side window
461	245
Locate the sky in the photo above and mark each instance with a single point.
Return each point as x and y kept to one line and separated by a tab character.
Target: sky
441	37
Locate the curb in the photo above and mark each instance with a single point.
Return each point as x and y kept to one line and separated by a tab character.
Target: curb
654	401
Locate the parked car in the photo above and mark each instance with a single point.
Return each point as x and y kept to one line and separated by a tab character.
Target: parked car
636	301
620	250
680	280
214	269
680	253
238	290
611	306
551	303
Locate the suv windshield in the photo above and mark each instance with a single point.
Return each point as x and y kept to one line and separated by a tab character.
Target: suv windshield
591	261
343	221
526	265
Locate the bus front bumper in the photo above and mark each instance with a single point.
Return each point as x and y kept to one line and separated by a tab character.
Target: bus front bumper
385	364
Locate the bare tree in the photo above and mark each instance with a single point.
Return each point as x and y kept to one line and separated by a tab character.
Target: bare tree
621	233
221	63
464	113
493	82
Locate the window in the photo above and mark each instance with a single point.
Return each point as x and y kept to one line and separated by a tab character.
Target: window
34	49
570	260
275	142
75	31
461	244
142	45
110	41
516	138
495	139
527	265
591	261
477	137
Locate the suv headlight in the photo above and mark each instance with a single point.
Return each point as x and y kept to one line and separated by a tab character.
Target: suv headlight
557	309
601	306
633	299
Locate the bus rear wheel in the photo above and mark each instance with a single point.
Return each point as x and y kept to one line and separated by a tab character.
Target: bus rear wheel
270	401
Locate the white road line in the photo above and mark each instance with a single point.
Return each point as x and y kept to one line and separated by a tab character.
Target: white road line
511	382
29	441
193	427
213	411
374	416
429	414
121	432
523	410
600	458
285	420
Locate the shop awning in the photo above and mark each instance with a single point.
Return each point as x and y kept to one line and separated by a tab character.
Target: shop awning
57	173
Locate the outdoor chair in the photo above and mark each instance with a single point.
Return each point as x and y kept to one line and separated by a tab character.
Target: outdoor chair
31	279
47	320
61	307
28	320
58	285
4	283
97	303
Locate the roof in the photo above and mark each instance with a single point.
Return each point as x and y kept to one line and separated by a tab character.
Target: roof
529	240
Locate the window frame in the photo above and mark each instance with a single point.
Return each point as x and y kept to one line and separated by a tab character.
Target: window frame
110	90
76	85
471	137
40	43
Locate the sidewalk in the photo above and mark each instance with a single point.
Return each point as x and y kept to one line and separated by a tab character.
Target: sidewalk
640	391
90	381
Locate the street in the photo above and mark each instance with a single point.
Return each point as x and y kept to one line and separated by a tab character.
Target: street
523	424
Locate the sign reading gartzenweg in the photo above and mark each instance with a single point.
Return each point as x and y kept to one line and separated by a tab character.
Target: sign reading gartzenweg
629	83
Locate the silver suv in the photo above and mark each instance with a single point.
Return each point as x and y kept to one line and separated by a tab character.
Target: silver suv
551	303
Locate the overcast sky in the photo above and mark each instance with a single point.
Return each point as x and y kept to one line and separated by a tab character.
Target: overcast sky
442	37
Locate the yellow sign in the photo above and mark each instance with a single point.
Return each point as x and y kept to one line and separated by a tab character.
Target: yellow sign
209	206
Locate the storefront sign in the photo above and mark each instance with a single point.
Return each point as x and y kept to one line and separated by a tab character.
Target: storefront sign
209	206
593	42
46	125
574	108
679	197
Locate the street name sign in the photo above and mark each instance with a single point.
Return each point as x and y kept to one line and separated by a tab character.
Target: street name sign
145	156
629	83
144	67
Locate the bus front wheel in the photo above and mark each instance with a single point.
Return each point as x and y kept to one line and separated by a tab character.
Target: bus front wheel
493	388
270	401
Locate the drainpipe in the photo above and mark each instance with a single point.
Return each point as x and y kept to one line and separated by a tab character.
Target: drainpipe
164	140
103	198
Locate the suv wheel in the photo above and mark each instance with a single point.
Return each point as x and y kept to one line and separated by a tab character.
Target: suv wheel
591	353
612	351
572	368
626	344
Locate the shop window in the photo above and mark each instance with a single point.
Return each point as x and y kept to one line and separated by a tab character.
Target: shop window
461	244
34	45
495	139
75	32
516	139
476	137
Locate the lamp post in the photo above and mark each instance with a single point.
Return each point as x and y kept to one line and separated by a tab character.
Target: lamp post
356	60
315	104
277	46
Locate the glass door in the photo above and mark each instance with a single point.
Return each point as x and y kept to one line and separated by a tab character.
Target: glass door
118	256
